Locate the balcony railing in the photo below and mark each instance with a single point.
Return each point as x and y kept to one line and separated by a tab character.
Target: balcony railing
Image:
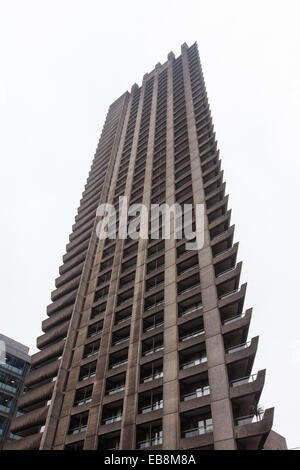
243	380
240	421
95	333
155	441
188	289
233	319
194	362
200	392
118	389
119	364
188	269
78	429
161	302
153	327
120	341
238	347
84	401
154	350
112	419
191	310
223	252
192	335
228	294
197	431
122	320
87	376
155	376
226	271
155	406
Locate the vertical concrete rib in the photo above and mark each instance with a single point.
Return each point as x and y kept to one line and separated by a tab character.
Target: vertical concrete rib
171	425
218	380
128	433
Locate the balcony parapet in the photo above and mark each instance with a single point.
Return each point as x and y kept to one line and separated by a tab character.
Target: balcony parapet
28	420
252	384
245	351
54	334
250	427
54	350
237	322
27	443
45	372
36	395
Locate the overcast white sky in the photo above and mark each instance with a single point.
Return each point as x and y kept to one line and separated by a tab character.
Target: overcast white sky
63	62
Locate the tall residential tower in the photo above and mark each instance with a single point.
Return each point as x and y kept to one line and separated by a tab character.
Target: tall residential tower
146	343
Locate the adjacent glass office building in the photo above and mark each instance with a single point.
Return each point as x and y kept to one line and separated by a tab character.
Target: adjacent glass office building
14	365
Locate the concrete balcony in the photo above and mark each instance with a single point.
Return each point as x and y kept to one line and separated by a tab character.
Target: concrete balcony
251	432
240	358
36	395
29	420
250	385
54	334
53	351
42	373
31	442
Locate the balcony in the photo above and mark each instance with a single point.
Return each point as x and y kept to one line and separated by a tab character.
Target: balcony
240	358
245	392
87	371
191	329
83	396
154	301
195	423
193	387
151	400
95	329
125	296
118	359
156	264
154	282
192	357
251	431
151	371
189	284
109	442
238	347
149	435
120	336
112	413
153	322
122	316
190	305
98	311
78	423
152	345
187	265
91	349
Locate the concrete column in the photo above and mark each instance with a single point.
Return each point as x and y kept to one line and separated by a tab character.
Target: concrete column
130	405
223	427
171	425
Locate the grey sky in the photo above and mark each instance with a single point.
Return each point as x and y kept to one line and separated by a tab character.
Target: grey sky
63	62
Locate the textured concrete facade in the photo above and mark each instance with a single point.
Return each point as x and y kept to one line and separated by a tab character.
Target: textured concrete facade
145	344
